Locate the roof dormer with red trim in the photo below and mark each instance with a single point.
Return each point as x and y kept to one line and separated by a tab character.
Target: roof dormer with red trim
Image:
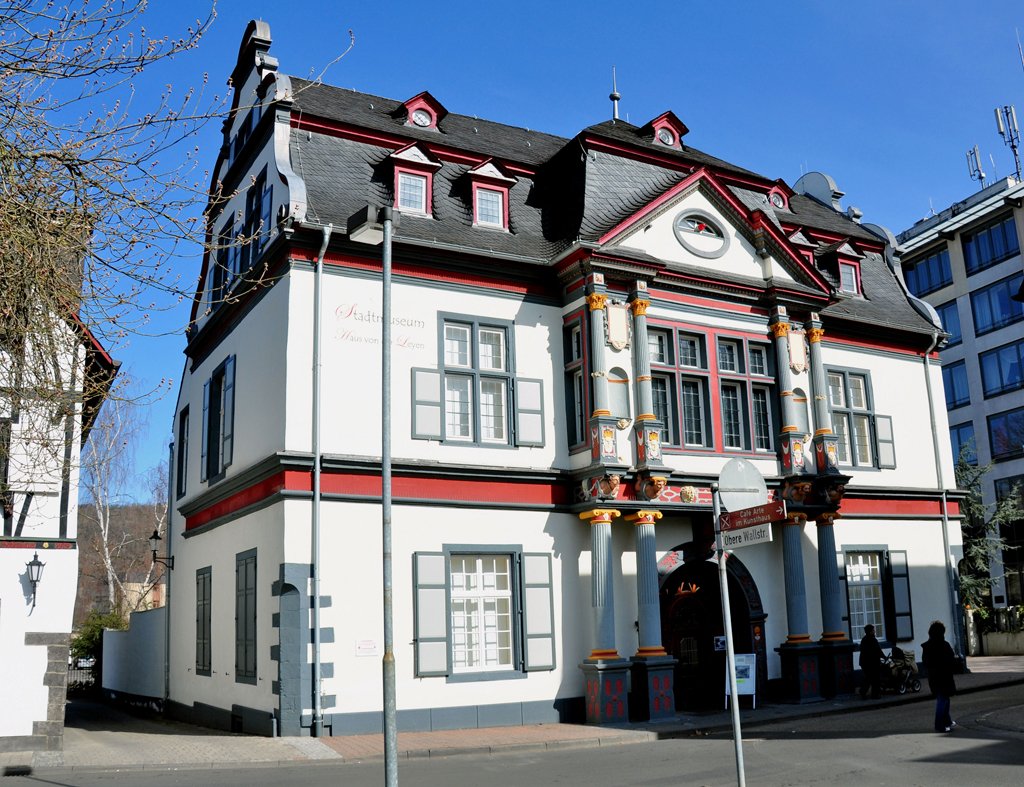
422	111
414	180
490	188
667	130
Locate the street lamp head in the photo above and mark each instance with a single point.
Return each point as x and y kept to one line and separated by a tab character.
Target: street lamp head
34	569
154	545
366	225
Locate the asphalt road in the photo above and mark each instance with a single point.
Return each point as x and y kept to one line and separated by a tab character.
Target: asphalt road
887	746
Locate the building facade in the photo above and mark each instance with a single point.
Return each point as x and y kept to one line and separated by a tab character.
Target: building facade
42	427
966	262
584	332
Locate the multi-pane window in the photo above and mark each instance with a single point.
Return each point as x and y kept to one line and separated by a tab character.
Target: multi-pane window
993	306
181	454
691	351
490	207
575	399
732	418
203	617
1006	434
860	432
954	380
762	419
848	278
929	274
412	192
476	382
1001	369
659	346
864	592
990	244
245	617
691	395
950	317
961	439
481	612
878	592
758	360
255	229
218	420
728	357
664	407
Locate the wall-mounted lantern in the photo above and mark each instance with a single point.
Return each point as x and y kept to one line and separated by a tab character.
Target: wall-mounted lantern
154	545
35	573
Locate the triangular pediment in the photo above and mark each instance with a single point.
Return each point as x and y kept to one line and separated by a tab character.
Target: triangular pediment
412	154
701	224
489	171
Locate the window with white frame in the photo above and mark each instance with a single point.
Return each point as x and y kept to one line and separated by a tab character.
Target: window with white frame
865	439
659	346
481	617
664	407
758	358
490	207
473	396
412	192
732	415
877	582
848	278
482	611
728	356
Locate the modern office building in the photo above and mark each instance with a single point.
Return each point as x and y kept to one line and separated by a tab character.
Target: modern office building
966	262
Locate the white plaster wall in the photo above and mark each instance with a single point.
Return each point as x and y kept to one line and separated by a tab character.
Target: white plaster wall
133	660
217	548
23	696
658	239
898	390
259	345
351	352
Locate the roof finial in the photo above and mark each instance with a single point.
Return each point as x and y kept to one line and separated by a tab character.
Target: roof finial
614	96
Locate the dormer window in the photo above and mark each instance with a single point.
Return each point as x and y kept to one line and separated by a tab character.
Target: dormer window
849	278
422	111
667	130
778	199
490	196
414	180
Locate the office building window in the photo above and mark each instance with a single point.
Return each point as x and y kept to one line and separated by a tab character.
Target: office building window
245	617
928	274
954	380
990	244
1001	369
1006	434
993	306
961	439
950	317
481	612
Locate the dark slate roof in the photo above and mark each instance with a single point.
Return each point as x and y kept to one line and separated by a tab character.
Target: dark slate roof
808	212
343	175
509	143
883	303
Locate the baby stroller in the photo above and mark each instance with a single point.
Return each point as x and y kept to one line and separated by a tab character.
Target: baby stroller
899	672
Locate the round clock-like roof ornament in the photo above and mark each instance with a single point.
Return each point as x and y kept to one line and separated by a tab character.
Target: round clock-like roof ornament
699	234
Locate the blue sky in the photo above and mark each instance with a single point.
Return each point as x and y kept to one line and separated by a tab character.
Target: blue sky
886	97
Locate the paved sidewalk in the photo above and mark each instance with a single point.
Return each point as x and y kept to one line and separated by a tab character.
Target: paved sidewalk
101	737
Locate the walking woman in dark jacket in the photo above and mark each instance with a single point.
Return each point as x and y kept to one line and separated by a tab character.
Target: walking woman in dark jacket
939	661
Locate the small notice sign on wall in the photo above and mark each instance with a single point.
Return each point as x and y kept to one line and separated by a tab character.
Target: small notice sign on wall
367	647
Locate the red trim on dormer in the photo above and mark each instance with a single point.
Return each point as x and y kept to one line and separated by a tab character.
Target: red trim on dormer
428	187
856	271
782	193
672	123
426	102
490	185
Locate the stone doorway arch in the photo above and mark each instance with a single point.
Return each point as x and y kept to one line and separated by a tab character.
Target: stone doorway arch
691	620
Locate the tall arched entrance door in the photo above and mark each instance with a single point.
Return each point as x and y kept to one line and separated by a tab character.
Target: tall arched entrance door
693	631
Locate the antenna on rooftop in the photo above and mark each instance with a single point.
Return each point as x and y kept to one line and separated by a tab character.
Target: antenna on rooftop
1019	50
614	96
974	165
1006	123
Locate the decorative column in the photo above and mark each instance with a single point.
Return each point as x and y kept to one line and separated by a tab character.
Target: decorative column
596	302
826	454
652	475
799	655
653	669
836	657
604	670
791	449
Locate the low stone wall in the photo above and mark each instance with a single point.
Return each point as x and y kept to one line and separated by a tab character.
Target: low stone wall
1002	643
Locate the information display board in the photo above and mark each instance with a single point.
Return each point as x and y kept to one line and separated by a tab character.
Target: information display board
746	677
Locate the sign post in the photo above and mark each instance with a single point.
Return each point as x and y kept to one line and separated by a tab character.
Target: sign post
730	653
741	486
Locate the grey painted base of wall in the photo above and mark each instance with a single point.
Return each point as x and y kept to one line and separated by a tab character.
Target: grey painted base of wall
256	722
46	735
